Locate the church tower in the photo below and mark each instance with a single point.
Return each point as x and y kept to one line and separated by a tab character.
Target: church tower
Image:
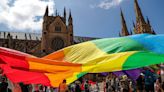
56	34
124	30
141	25
70	27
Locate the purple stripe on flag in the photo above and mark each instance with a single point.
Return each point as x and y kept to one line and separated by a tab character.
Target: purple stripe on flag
119	73
133	74
104	74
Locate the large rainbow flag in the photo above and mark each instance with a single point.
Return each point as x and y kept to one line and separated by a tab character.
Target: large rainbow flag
70	63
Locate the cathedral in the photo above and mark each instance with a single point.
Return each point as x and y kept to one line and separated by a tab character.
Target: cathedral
57	33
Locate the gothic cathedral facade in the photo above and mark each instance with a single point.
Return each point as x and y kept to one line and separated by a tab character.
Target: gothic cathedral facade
57	33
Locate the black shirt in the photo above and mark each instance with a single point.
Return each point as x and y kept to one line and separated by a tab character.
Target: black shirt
3	87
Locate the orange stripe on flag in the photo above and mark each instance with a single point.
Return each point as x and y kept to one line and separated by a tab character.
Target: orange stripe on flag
59	55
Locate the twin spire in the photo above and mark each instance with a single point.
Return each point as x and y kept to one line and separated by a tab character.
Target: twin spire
64	14
140	27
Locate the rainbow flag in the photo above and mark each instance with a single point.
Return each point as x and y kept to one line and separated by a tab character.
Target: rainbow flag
70	63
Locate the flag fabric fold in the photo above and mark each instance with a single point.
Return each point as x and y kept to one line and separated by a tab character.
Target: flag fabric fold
70	63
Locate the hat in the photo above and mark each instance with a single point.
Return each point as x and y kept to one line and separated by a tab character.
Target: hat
142	74
77	82
124	77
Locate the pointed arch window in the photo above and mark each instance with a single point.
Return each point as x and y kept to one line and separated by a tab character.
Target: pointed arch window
58	29
57	43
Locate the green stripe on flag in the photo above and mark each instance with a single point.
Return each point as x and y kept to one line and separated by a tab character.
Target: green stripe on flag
114	45
81	74
142	59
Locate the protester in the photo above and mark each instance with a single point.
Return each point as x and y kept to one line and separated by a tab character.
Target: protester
41	88
35	88
48	89
92	87
63	87
96	88
109	83
77	86
117	84
16	88
140	83
157	85
3	85
87	86
149	81
162	88
125	84
24	87
72	87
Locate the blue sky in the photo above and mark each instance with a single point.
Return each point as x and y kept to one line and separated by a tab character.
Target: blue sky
92	18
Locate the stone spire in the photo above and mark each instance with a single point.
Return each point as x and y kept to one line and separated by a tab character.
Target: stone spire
16	37
10	41
46	12
8	35
124	31
139	16
30	36
70	19
134	28
70	28
64	15
4	34
56	13
25	36
141	26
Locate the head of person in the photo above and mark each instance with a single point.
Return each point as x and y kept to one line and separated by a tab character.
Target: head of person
142	75
124	77
64	81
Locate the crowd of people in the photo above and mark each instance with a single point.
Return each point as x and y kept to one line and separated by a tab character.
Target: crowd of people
146	82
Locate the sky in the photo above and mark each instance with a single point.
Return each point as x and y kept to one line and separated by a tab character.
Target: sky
91	18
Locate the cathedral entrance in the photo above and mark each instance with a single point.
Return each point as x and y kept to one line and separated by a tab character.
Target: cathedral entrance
57	43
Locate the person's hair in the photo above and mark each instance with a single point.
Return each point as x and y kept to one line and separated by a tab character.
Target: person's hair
64	81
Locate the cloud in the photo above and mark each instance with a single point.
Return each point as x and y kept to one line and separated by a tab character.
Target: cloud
107	4
22	14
